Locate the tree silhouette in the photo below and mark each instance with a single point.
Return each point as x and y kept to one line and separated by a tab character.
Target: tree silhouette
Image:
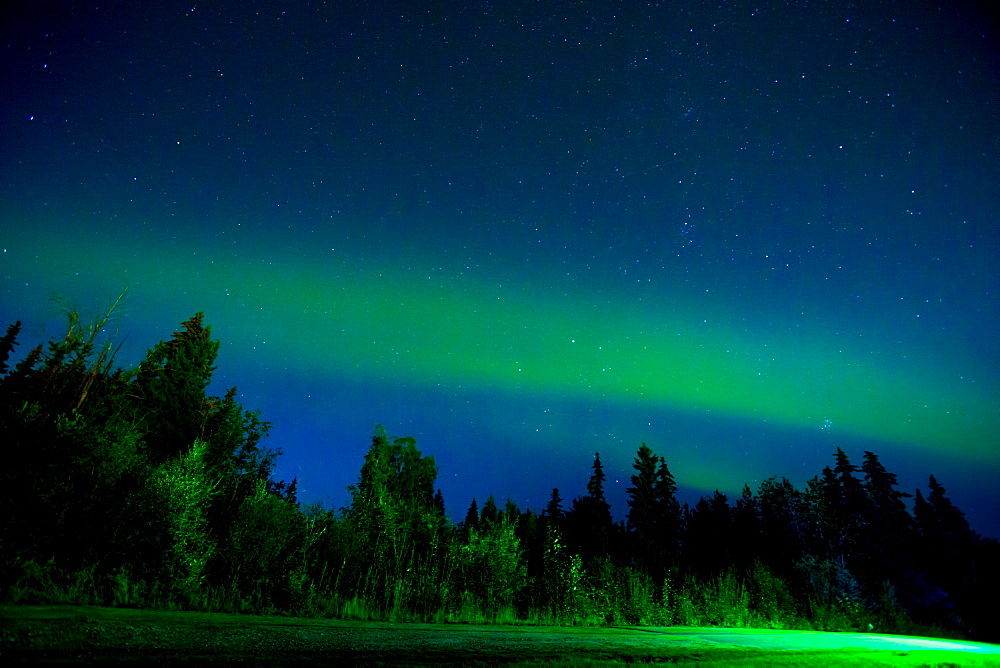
171	384
589	520
653	519
489	515
708	544
553	510
886	542
781	522
471	518
138	476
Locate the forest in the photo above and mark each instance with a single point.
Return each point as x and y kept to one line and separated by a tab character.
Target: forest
132	487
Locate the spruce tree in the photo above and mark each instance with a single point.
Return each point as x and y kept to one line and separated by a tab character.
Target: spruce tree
511	513
709	536
746	529
840	504
553	510
947	543
782	530
7	344
171	384
589	518
642	508
489	516
471	522
886	543
595	486
654	516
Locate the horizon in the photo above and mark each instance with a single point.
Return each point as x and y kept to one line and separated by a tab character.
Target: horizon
524	235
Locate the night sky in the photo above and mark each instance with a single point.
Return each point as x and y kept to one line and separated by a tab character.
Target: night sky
522	232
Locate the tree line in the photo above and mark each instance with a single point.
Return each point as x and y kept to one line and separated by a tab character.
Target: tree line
133	487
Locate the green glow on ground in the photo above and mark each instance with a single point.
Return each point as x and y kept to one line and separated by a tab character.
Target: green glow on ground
58	633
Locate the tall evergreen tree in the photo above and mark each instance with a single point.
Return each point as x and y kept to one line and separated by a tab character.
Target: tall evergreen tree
489	515
171	384
854	500
439	502
654	516
589	517
511	513
947	544
7	344
781	521
886	539
595	486
746	529
471	521
553	509
841	507
709	534
643	511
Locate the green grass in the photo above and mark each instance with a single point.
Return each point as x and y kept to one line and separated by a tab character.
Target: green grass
766	658
31	634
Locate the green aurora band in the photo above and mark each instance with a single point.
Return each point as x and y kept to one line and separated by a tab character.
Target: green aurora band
372	317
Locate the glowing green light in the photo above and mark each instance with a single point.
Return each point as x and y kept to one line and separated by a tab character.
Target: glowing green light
378	318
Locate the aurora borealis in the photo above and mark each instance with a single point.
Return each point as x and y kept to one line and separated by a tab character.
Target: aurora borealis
525	232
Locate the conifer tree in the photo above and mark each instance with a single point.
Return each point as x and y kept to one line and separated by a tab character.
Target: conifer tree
654	516
589	519
886	543
642	507
947	543
595	486
709	535
471	521
553	510
171	383
489	515
853	499
746	528
7	344
781	518
601	509
841	504
439	502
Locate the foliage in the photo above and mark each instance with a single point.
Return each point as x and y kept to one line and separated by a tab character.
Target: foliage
133	487
560	582
182	491
489	567
654	519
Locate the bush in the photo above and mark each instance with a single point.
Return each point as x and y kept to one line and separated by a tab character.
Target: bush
490	570
772	603
182	487
561	581
835	600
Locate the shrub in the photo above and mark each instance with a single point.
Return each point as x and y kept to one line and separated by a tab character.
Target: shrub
490	569
182	487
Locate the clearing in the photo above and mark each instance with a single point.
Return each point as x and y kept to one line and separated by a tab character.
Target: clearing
85	634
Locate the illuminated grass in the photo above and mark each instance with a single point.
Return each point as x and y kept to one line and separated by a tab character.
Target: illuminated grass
107	635
780	659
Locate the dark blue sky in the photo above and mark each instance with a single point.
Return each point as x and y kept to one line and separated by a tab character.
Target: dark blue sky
524	232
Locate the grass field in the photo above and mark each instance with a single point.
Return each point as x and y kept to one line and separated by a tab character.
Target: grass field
87	635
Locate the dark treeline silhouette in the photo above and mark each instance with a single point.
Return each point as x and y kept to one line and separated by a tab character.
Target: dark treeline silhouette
132	487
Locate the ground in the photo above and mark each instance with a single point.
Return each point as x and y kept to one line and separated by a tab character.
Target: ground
91	635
